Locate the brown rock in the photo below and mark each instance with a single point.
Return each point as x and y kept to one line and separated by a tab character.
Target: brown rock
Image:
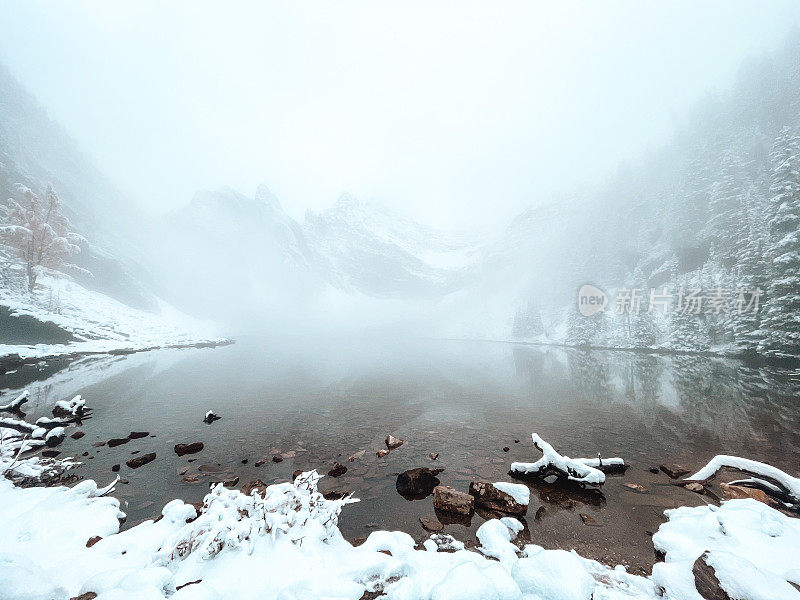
447	499
674	471
338	470
115	468
431	524
489	497
192	479
192	448
297	474
635	486
259	486
50	453
506	448
417	483
77	435
433	455
261	462
277	458
86	596
114	442
382	452
93	540
137	462
135	435
697	488
705	580
736	492
588	520
183	585
393	442
98	444
209	468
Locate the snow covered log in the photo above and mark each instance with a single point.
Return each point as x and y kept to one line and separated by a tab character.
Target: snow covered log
583	472
789	484
14	405
69	408
18	425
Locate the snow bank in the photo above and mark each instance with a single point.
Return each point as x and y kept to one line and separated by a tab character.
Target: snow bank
752	547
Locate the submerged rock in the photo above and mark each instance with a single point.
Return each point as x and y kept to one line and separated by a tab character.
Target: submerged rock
381	453
417	483
114	442
135	435
450	500
137	462
338	470
193	448
431	524
210	417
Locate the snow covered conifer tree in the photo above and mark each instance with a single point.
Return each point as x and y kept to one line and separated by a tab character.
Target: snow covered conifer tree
39	233
781	320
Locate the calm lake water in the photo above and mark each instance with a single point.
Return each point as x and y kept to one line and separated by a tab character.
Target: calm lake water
321	401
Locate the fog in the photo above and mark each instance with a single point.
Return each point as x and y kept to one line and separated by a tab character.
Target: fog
458	114
442	169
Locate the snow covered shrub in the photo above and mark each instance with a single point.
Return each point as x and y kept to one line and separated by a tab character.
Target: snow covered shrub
230	519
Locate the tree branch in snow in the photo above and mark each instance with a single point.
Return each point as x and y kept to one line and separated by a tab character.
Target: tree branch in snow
14	405
788	483
583	472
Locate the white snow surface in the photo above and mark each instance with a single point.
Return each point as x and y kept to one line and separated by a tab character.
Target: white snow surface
285	546
792	484
520	493
99	323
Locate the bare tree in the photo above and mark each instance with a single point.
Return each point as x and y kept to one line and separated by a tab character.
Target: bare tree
39	234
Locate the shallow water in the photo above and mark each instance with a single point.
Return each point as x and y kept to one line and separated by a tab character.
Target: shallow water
321	401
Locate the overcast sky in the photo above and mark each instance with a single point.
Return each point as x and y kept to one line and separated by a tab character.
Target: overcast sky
459	113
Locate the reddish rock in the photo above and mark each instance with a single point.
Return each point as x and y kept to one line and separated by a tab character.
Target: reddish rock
192	448
77	435
114	442
417	482
447	499
338	470
588	520
489	497
192	479
277	458
634	486
393	442
135	435
115	468
674	471
259	486
93	540
705	580
139	461
431	524
381	453
433	455
86	596
736	492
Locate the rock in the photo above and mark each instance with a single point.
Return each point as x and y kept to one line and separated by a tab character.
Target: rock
183	471
338	470
259	486
191	479
135	451
244	461
449	500
653	470
77	435
635	486
93	540
183	585
506	448
210	417
137	462
674	471
516	441
358	454
381	453
209	468
228	482
114	442
261	462
50	453
278	458
418	482
489	497
98	444
334	495
296	474
736	492
393	442
192	448
433	455
86	596
588	520
115	468
135	435
55	436
705	580
697	488
431	524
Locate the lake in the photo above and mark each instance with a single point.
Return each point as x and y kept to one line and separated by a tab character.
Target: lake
319	401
